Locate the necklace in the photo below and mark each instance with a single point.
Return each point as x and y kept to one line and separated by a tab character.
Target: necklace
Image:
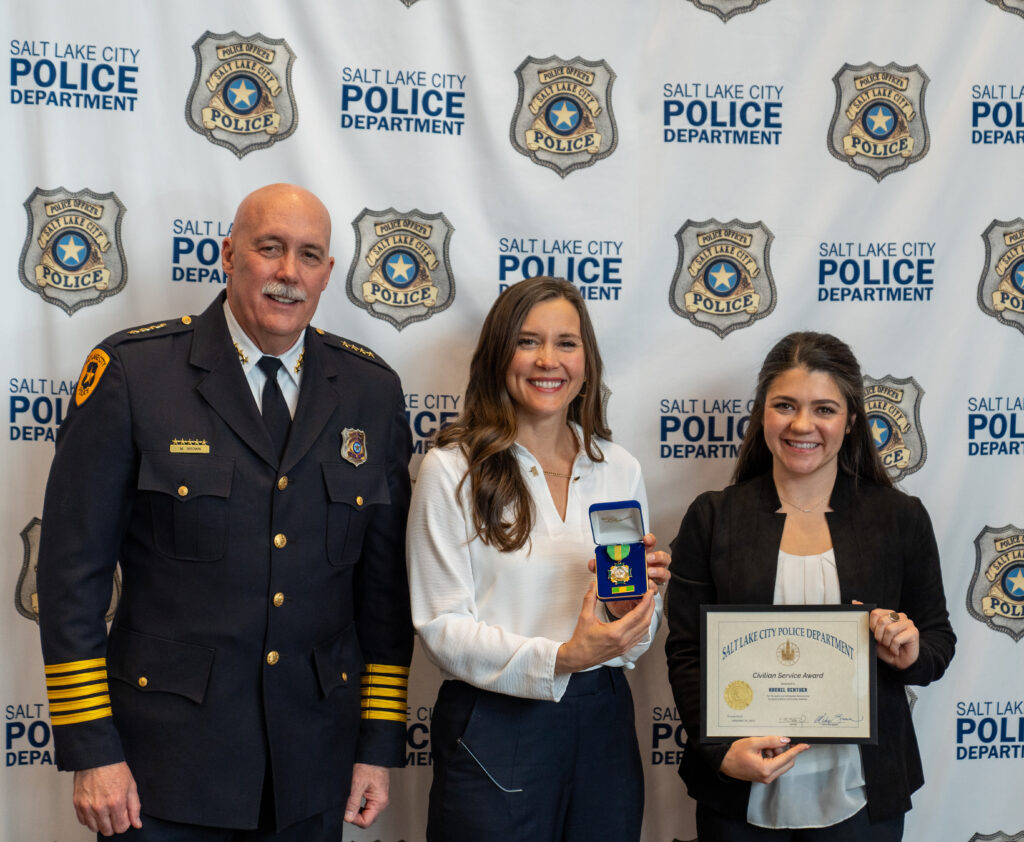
553	474
809	509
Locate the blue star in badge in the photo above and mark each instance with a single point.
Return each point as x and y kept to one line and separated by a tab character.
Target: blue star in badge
1013	582
721	277
1018	276
879	121
71	250
563	115
242	94
880	431
401	268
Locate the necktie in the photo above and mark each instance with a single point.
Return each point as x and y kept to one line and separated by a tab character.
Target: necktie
275	410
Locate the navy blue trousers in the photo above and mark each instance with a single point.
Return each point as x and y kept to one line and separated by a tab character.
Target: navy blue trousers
324	827
520	769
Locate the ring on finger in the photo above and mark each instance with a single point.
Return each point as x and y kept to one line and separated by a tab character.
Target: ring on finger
894	616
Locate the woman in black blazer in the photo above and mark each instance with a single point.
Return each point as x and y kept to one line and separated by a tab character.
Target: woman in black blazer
811	517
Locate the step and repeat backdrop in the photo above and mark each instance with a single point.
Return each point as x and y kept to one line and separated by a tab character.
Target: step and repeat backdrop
711	174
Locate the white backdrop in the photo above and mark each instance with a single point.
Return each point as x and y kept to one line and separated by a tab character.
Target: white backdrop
707	165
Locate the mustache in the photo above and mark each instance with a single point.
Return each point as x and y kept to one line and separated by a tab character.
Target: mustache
282	290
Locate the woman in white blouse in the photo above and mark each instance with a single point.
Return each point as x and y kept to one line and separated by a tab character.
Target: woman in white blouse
811	518
532	733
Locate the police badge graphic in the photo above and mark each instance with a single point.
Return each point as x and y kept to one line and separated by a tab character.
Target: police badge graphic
241	97
1015	7
996	593
1001	288
400	271
73	256
725	9
563	119
26	598
723	280
893	412
879	125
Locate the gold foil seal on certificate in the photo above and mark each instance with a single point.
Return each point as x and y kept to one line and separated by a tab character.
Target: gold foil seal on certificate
738	695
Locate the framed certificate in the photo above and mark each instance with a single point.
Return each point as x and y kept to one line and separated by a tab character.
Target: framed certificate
806	672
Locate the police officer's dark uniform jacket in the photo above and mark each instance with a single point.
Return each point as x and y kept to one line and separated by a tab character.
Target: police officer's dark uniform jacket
264	606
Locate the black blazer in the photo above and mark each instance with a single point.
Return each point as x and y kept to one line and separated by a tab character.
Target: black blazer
254	592
726	552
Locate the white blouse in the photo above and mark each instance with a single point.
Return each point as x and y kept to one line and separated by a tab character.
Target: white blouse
496	619
826	784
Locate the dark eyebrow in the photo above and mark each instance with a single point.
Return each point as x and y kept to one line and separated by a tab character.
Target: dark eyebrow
819	401
567	335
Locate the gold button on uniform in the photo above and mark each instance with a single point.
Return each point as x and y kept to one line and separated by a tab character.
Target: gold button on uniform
183	491
280	540
278	599
143	681
359	500
282	483
273	657
186	320
344	676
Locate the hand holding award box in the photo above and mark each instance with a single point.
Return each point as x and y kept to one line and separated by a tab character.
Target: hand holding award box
621	558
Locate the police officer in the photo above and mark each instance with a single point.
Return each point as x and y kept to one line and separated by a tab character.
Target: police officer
251	475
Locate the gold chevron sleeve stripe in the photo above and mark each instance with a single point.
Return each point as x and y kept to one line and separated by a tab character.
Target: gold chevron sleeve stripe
383	681
387	669
75	666
384	714
77	692
85	716
77	678
382	704
78	704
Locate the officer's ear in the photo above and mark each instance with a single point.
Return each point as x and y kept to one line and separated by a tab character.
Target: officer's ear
227	256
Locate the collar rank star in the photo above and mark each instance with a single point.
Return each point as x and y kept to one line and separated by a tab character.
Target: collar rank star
353	446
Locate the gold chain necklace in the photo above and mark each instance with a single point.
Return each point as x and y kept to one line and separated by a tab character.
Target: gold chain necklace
809	509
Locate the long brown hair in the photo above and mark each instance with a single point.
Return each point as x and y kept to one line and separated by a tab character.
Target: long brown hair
486	429
822	352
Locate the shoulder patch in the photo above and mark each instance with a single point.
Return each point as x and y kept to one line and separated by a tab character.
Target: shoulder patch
95	364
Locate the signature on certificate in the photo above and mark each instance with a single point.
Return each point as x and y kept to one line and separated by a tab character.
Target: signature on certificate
836	720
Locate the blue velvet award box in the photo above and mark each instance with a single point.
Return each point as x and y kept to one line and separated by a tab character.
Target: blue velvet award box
618	530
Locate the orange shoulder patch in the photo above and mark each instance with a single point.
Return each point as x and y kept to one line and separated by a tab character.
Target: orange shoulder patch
92	371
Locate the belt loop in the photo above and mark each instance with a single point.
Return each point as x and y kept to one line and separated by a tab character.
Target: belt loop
611	678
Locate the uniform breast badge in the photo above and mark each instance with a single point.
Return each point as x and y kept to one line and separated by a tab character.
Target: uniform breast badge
353	446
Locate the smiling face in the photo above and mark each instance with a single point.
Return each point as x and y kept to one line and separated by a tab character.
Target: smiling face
805	422
277	261
548	367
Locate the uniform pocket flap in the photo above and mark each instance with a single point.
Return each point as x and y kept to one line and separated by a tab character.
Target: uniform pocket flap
339	660
358	487
186	475
158	665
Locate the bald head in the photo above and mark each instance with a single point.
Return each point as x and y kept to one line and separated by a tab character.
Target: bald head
277	262
280	196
